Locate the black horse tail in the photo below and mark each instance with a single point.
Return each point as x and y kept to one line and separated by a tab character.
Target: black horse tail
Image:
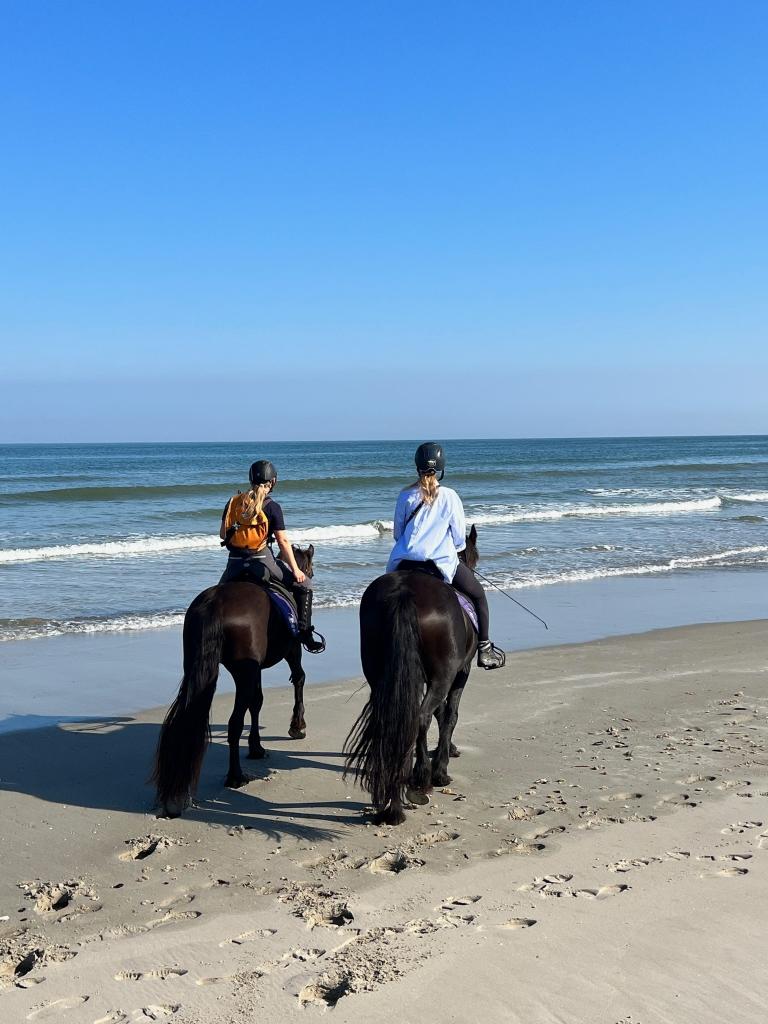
186	731
380	745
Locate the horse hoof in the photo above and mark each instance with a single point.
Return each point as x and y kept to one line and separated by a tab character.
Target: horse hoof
297	734
389	817
257	754
172	810
415	796
454	751
442	780
237	781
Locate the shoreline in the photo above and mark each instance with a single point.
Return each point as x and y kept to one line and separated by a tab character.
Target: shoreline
609	811
48	680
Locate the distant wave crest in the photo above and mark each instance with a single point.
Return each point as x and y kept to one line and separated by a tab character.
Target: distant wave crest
137	546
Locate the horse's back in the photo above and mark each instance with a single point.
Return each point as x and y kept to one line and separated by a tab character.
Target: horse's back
440	623
243	611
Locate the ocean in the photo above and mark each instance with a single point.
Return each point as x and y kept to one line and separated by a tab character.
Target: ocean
113	537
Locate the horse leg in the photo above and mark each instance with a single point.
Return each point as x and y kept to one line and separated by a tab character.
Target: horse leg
453	750
447	717
421	778
247	676
256	700
297	730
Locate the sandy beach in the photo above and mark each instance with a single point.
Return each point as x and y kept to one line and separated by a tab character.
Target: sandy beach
601	855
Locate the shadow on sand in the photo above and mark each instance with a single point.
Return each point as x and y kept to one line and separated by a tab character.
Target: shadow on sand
104	764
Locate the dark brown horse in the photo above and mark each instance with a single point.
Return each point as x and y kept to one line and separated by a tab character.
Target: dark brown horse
235	625
417	646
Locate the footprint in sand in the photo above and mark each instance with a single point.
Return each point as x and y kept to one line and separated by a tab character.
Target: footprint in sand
442	835
174	916
50	1010
727	856
515	923
602	893
303	955
113	1017
157	1012
257	933
732	872
740	826
139	849
622	797
459	901
677	800
634	862
160	974
692	779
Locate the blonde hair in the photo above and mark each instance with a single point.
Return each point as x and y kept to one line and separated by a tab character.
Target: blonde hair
256	498
428	485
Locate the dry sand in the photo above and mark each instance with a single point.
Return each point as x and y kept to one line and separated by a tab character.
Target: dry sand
600	856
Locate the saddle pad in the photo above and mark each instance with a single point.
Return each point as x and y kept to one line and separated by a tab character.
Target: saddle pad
468	607
286	608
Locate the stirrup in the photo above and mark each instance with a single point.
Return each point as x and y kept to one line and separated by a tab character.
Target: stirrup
308	642
491	657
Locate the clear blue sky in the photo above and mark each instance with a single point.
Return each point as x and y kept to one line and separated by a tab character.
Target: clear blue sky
354	219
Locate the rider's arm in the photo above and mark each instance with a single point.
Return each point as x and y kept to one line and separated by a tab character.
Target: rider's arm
286	553
222	529
458	524
399	516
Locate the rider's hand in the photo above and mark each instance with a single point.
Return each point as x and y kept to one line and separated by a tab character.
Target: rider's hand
300	577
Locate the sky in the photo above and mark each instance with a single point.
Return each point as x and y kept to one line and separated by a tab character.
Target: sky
361	220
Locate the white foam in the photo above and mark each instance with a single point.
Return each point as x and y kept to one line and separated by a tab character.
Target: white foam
718	558
111	548
163	545
121	624
754	497
657	508
362	531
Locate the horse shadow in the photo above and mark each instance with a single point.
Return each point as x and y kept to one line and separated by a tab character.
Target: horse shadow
104	764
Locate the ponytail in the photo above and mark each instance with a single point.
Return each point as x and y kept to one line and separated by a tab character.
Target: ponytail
428	486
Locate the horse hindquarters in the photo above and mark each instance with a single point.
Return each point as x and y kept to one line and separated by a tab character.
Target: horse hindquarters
380	745
185	732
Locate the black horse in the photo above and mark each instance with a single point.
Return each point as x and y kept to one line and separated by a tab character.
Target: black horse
233	624
417	646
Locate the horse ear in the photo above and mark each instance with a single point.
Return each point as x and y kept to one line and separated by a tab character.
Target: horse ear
311	550
473	534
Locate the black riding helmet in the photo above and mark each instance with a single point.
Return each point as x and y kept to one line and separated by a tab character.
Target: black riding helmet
430	458
262	472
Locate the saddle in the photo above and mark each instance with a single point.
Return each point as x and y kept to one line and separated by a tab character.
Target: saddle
281	597
430	569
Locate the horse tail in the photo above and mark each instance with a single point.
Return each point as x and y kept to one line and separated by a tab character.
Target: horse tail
186	731
380	745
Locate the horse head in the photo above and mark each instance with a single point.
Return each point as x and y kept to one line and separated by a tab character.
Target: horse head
304	558
470	554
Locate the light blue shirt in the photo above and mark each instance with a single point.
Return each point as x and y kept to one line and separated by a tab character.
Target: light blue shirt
436	533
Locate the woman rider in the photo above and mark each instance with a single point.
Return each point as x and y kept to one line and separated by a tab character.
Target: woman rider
249	548
430	527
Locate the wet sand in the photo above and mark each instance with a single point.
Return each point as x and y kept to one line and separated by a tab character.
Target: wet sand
601	855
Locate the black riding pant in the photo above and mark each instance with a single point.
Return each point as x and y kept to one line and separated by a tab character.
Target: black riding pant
466	581
255	564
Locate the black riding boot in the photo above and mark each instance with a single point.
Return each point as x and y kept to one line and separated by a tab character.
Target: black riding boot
306	630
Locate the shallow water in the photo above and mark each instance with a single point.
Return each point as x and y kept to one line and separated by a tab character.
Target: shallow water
100	538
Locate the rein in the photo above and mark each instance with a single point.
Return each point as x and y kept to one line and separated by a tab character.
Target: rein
518	603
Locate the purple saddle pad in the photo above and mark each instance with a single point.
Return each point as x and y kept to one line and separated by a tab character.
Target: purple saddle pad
468	607
286	609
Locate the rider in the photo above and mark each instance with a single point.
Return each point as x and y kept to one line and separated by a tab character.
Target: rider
430	527
250	552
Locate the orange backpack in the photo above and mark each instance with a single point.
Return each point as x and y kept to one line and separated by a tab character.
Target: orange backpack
243	526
